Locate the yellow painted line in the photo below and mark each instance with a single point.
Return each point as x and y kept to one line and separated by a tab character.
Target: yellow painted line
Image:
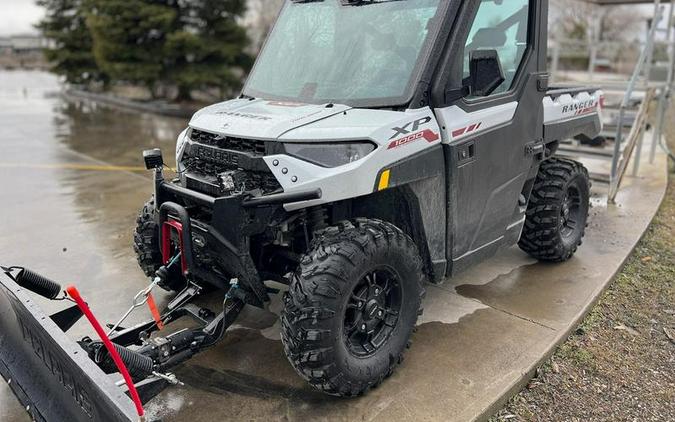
384	180
73	166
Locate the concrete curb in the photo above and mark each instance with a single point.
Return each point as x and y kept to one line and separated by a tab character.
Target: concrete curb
525	378
155	107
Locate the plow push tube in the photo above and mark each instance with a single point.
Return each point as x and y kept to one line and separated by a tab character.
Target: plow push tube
50	374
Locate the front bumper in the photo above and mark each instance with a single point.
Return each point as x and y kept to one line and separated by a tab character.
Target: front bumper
50	374
222	233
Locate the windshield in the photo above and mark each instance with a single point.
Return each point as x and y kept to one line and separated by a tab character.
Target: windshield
326	52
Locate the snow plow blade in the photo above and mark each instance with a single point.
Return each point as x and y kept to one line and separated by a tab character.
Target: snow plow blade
50	374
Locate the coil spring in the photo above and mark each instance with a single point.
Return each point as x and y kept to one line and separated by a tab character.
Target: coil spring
38	284
317	218
139	366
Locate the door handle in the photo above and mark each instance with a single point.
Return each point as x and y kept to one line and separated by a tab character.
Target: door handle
466	153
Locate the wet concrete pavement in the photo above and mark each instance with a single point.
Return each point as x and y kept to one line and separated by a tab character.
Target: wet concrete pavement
66	212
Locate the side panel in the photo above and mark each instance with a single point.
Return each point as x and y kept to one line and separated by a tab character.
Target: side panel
487	141
413	197
424	175
487	175
570	114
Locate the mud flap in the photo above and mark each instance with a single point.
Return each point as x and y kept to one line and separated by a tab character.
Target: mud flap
50	373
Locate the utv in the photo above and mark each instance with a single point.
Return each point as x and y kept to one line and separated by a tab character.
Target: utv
376	146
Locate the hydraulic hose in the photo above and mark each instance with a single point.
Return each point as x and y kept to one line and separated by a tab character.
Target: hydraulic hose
75	295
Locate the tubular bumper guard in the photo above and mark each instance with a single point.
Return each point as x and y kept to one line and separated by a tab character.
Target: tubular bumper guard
233	220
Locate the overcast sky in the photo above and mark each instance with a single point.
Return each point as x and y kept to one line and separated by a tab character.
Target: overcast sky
19	16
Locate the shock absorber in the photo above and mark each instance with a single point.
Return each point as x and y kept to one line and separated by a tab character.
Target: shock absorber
317	218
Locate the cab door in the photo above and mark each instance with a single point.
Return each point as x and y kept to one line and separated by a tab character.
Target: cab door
486	138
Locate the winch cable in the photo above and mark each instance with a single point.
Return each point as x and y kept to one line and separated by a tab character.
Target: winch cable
75	295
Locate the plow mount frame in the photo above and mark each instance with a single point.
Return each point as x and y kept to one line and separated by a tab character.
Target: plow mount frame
57	378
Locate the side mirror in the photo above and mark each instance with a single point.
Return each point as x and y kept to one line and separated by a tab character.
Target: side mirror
485	71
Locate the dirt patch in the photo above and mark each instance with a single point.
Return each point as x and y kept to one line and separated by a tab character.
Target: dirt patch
619	365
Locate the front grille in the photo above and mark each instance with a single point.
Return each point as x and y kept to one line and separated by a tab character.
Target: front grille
250	146
203	177
203	170
244	181
202	186
196	165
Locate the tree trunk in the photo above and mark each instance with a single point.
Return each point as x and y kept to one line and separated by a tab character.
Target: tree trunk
184	94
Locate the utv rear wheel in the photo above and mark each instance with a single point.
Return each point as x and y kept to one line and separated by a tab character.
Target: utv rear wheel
146	246
558	211
352	306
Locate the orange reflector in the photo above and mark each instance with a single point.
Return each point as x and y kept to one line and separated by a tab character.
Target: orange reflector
384	180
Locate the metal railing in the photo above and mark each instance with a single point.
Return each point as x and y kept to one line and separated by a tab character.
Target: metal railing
634	139
638	83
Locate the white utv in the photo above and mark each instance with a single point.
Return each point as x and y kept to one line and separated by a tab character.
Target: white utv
376	146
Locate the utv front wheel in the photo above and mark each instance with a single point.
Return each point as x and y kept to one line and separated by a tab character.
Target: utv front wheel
352	306
146	246
558	211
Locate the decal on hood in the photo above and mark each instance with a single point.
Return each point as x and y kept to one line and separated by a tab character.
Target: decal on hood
244	115
258	119
427	134
416	124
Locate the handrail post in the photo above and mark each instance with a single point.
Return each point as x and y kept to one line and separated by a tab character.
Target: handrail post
629	91
665	92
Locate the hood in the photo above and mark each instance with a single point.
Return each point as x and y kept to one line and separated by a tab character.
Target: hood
260	119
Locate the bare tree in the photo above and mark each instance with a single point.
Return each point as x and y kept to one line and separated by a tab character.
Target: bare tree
260	18
574	19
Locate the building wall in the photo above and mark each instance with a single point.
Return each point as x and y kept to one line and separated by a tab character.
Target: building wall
22	51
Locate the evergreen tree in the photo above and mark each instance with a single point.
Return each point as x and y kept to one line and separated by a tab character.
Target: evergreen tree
188	44
71	56
208	48
129	38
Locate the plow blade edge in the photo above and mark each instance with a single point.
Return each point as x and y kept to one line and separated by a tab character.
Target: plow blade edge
48	372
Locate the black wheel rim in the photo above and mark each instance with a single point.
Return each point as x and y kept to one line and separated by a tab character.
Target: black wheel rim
372	312
570	213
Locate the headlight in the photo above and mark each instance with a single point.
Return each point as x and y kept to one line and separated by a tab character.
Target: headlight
180	146
182	138
330	155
